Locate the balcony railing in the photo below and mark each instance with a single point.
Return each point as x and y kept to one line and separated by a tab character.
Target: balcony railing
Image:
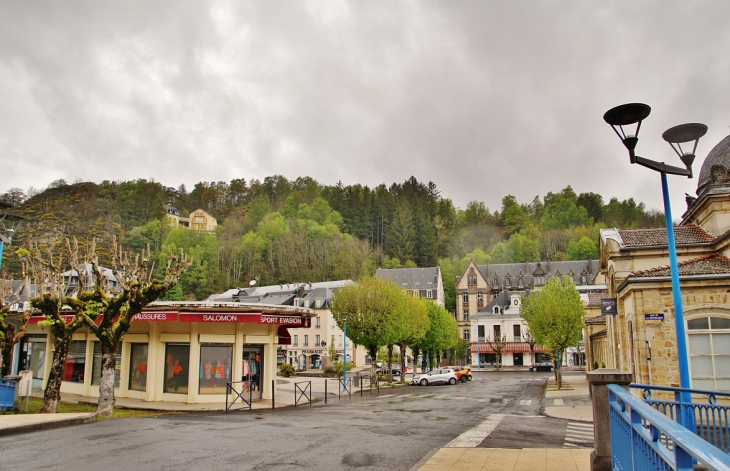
644	438
706	418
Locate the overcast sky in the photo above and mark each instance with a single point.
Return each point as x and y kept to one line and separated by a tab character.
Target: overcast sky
483	98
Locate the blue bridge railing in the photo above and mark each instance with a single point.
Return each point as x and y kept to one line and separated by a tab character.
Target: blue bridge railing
698	409
644	438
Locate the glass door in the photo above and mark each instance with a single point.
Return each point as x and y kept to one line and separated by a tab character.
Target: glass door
253	362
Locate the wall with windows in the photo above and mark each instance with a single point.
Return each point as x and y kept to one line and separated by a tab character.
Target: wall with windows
174	361
707	314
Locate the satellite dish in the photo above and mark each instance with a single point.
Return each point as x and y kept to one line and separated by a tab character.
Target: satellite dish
252	282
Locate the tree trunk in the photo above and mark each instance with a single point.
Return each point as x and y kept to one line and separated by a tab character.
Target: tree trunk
7	352
373	352
52	394
390	363
403	365
416	352
106	386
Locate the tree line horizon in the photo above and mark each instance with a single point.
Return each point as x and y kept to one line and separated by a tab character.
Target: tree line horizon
286	231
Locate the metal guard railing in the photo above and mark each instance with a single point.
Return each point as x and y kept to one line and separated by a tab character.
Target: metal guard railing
643	438
708	420
239	389
303	395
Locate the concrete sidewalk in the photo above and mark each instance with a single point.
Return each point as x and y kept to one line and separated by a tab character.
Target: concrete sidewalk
572	402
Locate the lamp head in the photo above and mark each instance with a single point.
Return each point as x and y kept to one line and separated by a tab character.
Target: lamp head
627	115
685	134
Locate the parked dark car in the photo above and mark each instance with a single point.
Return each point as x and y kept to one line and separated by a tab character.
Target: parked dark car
544	366
384	370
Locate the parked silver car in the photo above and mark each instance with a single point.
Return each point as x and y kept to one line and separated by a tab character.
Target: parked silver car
437	376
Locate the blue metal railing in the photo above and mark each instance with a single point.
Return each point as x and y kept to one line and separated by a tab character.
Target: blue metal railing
707	419
643	438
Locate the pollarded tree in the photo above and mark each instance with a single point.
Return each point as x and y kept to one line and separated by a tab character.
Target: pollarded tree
54	292
369	307
555	318
109	311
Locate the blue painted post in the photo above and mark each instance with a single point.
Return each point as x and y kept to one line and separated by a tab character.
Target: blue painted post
1	253
479	353
687	418
344	355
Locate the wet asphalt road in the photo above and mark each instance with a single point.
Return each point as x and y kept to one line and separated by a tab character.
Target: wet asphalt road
398	429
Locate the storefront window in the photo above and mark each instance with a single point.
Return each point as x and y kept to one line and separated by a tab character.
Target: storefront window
138	367
73	368
215	368
96	367
177	362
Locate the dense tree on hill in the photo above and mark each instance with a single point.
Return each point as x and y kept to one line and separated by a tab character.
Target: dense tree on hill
403	224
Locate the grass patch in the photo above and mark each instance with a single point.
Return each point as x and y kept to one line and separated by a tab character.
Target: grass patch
34	407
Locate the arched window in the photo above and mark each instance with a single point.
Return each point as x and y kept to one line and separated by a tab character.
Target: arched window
709	352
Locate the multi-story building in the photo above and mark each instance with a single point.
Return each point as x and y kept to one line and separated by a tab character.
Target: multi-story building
198	220
641	338
307	345
419	282
480	286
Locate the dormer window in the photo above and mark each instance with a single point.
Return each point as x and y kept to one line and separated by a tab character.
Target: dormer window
520	281
583	278
495	283
496	309
539	280
471	278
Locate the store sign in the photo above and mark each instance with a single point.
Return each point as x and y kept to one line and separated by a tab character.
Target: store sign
609	306
312	351
220	317
267	319
654	317
154	316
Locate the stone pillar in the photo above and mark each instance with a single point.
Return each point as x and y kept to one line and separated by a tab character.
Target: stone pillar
598	381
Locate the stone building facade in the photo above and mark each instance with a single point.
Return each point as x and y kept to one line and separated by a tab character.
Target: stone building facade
641	338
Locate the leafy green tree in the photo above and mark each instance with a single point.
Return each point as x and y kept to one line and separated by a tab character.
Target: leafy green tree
593	203
375	310
562	211
411	331
554	317
442	333
583	249
513	216
401	240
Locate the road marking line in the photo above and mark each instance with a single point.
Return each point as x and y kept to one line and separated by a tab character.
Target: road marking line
473	437
387	395
580	425
579	435
566	444
558	402
526	402
406	395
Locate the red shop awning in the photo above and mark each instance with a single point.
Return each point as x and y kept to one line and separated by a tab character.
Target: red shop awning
284	337
510	347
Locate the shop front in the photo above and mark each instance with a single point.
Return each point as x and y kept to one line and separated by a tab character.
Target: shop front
178	352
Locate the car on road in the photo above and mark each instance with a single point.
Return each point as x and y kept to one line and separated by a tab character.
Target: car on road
437	376
544	366
463	373
383	370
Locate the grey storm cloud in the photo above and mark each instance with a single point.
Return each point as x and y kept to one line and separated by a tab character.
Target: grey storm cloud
483	98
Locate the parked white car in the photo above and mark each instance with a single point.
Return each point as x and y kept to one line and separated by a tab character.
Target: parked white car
437	376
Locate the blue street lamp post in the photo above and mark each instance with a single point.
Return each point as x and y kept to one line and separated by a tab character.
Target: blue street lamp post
633	114
344	352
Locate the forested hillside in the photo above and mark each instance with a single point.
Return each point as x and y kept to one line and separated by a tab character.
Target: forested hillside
283	231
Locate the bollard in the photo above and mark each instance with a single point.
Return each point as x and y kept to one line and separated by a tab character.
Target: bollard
360	387
598	381
273	394
325	390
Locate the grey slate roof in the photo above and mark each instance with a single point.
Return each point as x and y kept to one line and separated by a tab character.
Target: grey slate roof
411	278
710	264
718	156
301	294
503	300
547	269
657	236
